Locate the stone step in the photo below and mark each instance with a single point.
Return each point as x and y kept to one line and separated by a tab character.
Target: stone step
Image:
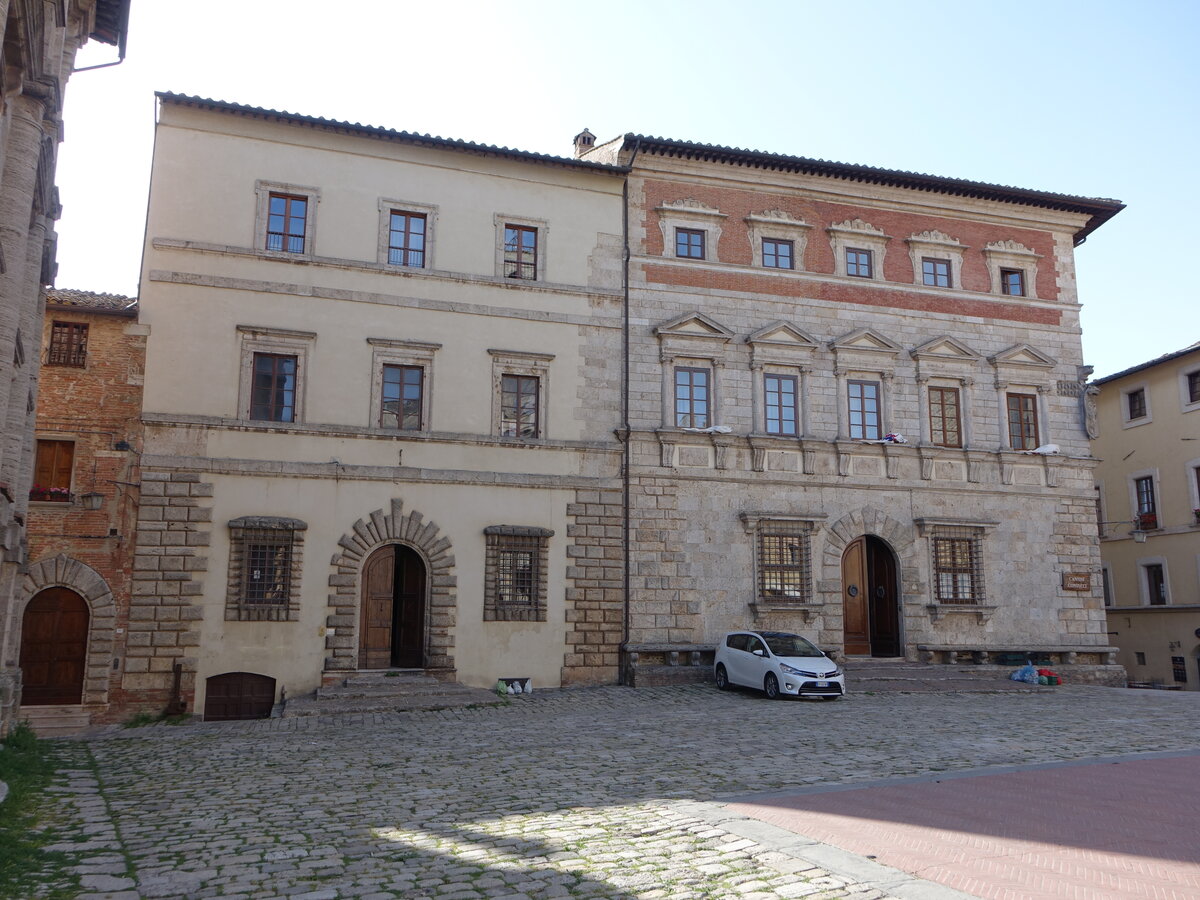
399	701
55	721
409	689
392	676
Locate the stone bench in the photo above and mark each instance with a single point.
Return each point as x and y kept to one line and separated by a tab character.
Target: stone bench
655	664
950	654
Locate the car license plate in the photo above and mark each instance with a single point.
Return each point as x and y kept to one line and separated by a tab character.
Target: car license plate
822	684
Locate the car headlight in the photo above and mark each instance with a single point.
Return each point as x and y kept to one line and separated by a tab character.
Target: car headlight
784	667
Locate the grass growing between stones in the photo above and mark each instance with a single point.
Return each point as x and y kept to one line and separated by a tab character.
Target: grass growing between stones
27	766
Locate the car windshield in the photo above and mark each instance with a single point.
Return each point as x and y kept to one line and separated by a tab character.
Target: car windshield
790	645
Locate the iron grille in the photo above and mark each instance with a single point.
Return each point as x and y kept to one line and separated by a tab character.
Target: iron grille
957	565
517	572
267	573
68	344
784	562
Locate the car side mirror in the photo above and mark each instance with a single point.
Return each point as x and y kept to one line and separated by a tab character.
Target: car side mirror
759	652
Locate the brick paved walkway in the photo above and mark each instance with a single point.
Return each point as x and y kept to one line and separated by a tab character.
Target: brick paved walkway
596	793
1099	831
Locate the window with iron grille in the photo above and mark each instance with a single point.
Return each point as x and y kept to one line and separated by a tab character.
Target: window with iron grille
784	562
944	421
957	565
406	239
935	272
1022	421
520	252
858	263
777	254
68	345
691	397
689	243
287	215
1012	282
515	573
265	554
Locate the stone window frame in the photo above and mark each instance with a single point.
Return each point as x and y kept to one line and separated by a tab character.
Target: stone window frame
386	208
541	226
777	225
855	234
761	525
975	532
937	383
1185	401
263	191
1107	593
1127	392
276	531
1143	564
939	246
1192	468
1017	391
691	215
1000	255
277	341
853	378
521	362
771	354
397	352
504	539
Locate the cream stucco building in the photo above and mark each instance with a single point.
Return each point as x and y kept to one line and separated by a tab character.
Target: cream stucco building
1148	480
419	403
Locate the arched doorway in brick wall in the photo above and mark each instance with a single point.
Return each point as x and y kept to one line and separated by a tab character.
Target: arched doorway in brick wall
89	586
425	597
54	637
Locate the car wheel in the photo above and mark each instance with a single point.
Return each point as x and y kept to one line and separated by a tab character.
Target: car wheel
722	679
771	686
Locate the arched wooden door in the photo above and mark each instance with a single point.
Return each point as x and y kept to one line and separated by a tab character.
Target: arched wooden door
871	612
392	618
238	695
54	636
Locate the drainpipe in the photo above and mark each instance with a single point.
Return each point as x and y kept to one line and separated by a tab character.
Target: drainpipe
623	434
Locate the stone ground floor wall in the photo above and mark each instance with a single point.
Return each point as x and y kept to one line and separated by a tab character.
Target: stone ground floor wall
182	579
693	559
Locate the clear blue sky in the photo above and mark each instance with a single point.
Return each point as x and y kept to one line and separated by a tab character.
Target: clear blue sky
1091	98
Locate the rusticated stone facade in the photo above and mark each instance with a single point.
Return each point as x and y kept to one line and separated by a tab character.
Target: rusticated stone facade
595	592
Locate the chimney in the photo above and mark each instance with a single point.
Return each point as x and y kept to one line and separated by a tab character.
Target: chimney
584	141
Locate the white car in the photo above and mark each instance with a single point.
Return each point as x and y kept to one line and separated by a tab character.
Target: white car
778	664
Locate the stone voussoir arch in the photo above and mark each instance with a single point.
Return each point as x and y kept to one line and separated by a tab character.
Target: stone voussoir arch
868	520
366	536
65	572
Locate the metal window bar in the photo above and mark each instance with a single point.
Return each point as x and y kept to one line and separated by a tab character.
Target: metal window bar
957	566
267	573
518	572
68	344
784	562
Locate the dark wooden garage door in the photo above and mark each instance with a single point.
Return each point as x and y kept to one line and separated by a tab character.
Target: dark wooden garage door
238	695
54	635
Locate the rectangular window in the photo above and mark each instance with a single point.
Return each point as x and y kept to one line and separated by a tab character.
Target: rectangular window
780	391
777	254
944	422
52	471
858	263
936	272
689	243
1022	421
1156	585
1136	403
520	252
784	562
863	398
1179	669
68	345
1147	508
406	239
1193	386
691	397
286	217
1106	583
957	567
1139	657
515	573
1012	282
264	568
519	406
273	391
403	390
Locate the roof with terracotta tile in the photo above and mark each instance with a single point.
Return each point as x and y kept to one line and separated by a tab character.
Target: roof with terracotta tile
91	301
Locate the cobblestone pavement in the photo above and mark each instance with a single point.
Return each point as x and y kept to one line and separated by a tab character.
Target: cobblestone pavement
595	793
